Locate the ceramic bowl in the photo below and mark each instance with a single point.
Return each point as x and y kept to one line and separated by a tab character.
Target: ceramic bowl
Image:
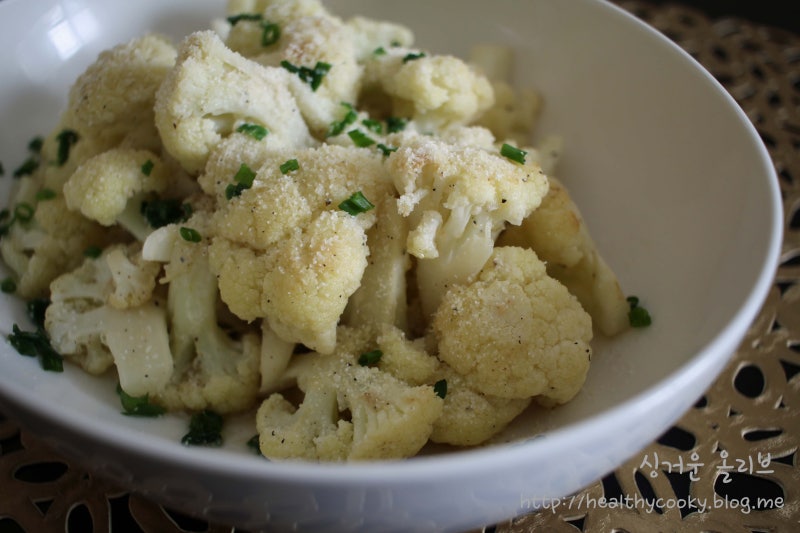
673	181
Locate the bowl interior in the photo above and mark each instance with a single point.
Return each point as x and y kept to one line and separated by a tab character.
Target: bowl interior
676	188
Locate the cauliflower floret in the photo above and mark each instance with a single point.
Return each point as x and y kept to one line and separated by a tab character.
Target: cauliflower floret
469	417
389	419
515	332
110	187
212	370
45	239
301	284
92	322
458	199
436	91
113	99
212	91
557	233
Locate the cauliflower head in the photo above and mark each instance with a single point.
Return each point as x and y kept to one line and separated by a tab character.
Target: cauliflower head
559	236
515	332
458	198
388	419
212	91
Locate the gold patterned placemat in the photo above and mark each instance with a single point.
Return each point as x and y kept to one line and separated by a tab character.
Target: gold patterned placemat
729	465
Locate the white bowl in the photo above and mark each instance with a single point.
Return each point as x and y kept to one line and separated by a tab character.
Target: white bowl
673	181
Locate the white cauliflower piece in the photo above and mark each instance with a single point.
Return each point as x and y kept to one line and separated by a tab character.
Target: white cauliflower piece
515	332
212	91
98	318
389	419
212	370
559	236
458	199
109	188
45	239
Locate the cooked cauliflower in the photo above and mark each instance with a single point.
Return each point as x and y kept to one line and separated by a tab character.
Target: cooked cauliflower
103	313
388	419
212	91
109	188
309	219
557	233
458	199
515	332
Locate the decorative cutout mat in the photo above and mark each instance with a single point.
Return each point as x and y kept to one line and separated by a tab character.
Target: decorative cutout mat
730	464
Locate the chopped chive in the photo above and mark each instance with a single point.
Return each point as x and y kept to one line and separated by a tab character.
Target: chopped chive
162	211
373	125
147	167
35	309
35	145
396	124
253	130
45	194
36	344
23	212
8	286
440	388
27	168
270	33
351	116
93	252
138	405
243	180
370	358
412	56
386	149
233	20
190	234
513	153
289	166
205	429
380	51
66	139
638	316
312	76
356	204
360	138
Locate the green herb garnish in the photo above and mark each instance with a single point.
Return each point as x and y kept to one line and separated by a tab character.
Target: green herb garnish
638	316
147	167
243	180
162	211
289	166
270	33
440	388
233	20
373	125
386	149
370	358
8	286
66	139
27	168
138	405
356	204
35	309
413	56
396	124
205	429
380	51
253	130
45	194
513	153
189	234
36	344
35	145
360	138
312	76
93	252
350	117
